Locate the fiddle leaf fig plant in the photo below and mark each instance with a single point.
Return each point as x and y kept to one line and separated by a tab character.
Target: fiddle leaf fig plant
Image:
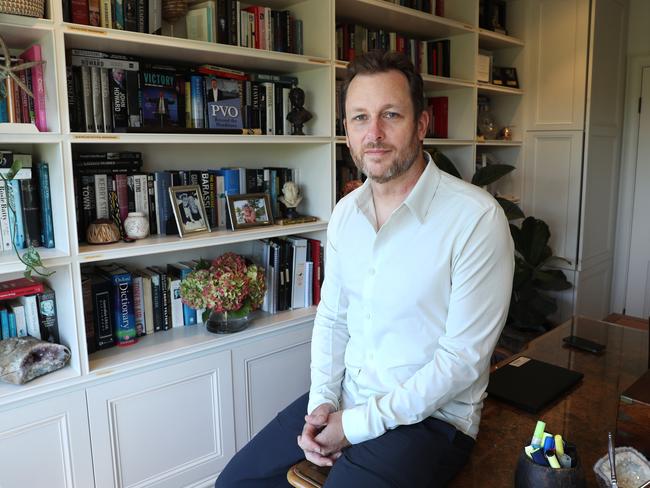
530	303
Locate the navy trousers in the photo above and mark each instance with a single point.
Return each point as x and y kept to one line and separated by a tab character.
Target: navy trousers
427	454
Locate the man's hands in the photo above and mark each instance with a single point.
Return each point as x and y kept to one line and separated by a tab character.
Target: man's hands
322	436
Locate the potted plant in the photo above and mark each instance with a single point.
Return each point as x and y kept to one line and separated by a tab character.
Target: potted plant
530	303
228	289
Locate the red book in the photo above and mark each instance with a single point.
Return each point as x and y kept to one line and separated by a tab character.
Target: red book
19	287
440	8
79	12
315	257
38	85
260	27
121	187
208	69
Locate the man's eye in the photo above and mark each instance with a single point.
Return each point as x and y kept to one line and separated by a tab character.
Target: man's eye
391	115
359	117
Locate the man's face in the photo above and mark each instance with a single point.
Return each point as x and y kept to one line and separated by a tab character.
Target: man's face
214	84
184	199
383	137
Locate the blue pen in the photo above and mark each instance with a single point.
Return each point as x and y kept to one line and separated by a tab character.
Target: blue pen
539	457
549	443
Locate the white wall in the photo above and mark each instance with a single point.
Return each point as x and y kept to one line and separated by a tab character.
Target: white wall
638	46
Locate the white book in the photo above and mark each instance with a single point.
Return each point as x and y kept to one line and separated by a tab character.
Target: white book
148	301
96	95
31	315
270	107
101	196
19	312
141	194
107	107
5	229
176	303
86	82
298	271
261	255
238	9
309	273
196	23
268	33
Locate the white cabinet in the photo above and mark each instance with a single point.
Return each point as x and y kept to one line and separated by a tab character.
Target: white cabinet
576	68
46	443
167	427
268	375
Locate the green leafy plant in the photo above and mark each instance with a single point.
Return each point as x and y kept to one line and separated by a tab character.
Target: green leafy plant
30	258
530	303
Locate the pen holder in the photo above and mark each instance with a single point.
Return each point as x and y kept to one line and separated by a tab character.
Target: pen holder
531	475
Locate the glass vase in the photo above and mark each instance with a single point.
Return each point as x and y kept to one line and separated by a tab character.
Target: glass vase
227	322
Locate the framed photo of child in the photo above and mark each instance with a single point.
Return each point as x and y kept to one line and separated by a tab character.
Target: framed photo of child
249	210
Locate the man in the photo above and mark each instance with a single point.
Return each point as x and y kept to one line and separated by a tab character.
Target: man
417	285
212	93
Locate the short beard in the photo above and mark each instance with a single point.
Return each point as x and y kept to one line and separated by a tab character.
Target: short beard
401	164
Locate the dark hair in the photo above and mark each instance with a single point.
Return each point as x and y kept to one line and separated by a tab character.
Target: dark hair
378	61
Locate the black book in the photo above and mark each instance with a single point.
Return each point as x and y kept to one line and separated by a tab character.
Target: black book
47	319
87	203
131	15
151	192
31	211
222	21
102	312
164	297
75	98
233	21
156	299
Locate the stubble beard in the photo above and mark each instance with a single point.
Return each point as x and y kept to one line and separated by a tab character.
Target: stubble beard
402	162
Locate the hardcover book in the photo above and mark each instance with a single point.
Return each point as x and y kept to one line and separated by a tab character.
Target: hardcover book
19	287
47	316
122	298
224	103
47	225
160	101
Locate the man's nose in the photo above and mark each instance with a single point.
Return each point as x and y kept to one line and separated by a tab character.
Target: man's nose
375	130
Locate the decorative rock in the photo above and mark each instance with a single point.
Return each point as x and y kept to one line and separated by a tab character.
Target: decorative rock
24	358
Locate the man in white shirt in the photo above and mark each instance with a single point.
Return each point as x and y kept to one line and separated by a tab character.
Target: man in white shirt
417	286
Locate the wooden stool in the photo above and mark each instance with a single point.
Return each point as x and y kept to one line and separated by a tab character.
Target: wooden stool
307	475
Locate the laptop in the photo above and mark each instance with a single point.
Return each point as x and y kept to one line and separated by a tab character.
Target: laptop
531	384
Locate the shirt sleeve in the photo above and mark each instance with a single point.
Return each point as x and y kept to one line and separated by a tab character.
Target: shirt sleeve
482	272
330	336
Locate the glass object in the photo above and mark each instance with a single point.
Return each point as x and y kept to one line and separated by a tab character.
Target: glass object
227	322
487	126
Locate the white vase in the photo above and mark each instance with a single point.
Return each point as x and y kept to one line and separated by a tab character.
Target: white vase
136	225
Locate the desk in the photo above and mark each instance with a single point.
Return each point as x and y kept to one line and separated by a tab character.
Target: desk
583	416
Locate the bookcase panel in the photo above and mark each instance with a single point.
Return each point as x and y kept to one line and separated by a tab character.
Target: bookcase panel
461	156
62	284
18	38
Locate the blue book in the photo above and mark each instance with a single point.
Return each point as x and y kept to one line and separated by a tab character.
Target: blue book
16	223
230	187
197	106
12	325
47	225
4	322
119	15
163	180
180	270
4	115
224	109
122	298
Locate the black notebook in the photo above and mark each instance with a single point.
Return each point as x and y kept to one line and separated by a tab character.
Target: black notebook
530	384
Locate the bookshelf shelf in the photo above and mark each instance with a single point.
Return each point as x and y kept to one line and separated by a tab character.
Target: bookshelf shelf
447	142
495	40
165	244
485	88
492	143
185	340
38	138
180	138
9	263
38	386
432	82
394	17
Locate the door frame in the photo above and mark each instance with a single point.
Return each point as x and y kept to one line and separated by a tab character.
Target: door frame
629	149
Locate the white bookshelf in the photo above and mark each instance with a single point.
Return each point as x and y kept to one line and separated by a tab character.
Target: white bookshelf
312	156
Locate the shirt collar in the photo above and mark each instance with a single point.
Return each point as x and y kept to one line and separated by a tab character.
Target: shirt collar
418	200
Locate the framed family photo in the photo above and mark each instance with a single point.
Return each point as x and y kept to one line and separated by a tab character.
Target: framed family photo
189	212
249	210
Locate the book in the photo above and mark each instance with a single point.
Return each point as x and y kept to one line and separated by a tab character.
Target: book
18	311
33	53
16	225
122	303
180	271
298	263
104	332
175	303
156	298
200	21
47	315
160	101
138	303
31	314
47	225
89	326
148	301
19	287
165	305
224	103
31	212
5	227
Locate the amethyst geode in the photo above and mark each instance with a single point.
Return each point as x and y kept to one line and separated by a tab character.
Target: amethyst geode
24	358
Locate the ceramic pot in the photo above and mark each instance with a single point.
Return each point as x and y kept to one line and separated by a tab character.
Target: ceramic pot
136	225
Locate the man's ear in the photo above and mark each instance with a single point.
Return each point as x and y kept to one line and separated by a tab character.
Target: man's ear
423	124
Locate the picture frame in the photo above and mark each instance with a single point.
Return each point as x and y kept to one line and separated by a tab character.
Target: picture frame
509	77
497	76
189	212
249	210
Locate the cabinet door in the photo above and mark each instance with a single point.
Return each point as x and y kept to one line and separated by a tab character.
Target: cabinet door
269	374
557	39
168	427
46	443
552	187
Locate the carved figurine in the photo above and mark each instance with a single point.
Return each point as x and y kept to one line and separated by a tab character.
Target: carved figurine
298	115
291	197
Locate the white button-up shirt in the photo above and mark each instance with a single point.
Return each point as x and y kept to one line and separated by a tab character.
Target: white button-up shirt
410	313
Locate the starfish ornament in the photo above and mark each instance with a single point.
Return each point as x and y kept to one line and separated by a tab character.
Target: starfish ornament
9	71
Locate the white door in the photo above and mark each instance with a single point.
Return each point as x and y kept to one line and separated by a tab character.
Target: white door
637	300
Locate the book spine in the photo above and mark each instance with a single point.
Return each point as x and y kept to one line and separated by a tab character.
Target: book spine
96	86
88	201
118	99
154	17
141	194
122	195
16	225
4	323
89	324
47	225
5	228
31	315
130	15
175	303
118	21
166	305
156	298
94	13
153	214
101	196
123	309
47	316
79	12
270	107
38	86
31	212
148	304
102	314
106	14
138	305
21	323
197	102
141	16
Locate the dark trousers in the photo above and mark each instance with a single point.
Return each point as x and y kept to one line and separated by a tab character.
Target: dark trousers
427	454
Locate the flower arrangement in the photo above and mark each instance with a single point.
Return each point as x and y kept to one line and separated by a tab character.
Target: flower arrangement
228	284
